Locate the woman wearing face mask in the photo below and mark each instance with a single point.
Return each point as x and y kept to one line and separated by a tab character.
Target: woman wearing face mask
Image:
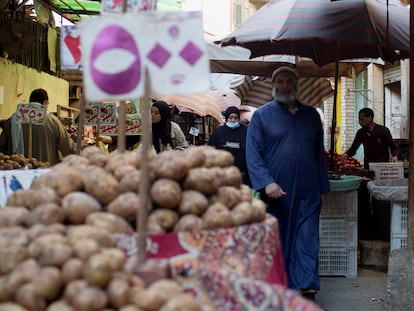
166	134
232	137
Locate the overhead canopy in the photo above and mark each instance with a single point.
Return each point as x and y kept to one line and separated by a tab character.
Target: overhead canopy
73	10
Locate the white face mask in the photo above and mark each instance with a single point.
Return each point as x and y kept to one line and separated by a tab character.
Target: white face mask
233	125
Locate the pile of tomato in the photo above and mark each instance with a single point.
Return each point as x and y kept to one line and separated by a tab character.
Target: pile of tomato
338	163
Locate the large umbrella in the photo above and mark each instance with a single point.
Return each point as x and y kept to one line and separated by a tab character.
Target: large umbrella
327	32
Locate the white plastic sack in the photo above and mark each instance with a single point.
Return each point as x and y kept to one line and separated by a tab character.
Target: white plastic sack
394	190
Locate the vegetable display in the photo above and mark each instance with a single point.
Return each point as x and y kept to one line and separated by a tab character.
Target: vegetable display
58	250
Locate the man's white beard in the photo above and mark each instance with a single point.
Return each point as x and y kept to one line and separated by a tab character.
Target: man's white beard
285	99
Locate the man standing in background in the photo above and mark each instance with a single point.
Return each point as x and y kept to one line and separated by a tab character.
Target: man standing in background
286	163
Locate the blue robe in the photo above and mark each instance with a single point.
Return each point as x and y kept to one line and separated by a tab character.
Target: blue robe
288	149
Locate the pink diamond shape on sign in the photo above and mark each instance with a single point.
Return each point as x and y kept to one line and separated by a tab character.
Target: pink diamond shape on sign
159	56
191	53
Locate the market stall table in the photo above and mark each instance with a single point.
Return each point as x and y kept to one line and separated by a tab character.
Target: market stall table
209	262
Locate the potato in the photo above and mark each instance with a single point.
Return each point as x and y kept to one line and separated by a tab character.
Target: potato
48	283
10	257
44	195
47	213
116	257
11	306
130	182
231	176
245	193
192	202
182	301
69	180
166	193
123	170
24	272
125	308
75	160
158	294
78	205
169	164
85	248
73	289
36	247
242	214
126	205
60	305
90	151
217	216
49	180
104	238
110	222
189	222
118	293
116	160
216	157
13	216
166	218
194	156
55	254
72	270
228	195
99	160
100	184
201	179
38	230
27	296
259	210
6	293
21	197
90	299
97	270
13	236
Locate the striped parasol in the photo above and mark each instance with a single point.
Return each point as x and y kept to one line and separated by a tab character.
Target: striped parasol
326	31
257	92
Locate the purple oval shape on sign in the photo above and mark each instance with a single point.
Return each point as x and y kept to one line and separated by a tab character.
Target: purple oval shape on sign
123	82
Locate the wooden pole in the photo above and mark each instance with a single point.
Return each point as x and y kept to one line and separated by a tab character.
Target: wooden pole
144	185
30	139
410	227
81	125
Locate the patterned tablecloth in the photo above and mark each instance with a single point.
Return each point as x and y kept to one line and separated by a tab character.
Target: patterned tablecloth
238	268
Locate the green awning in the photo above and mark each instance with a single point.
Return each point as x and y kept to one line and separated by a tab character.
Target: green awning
75	9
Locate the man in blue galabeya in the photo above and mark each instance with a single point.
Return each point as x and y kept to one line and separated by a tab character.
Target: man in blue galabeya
286	163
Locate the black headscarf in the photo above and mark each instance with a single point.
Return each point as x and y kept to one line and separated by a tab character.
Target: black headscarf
230	110
162	130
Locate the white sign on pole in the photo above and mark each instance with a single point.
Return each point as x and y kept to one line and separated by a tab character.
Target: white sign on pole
117	49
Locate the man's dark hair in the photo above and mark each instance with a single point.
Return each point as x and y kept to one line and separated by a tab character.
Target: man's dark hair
368	112
38	96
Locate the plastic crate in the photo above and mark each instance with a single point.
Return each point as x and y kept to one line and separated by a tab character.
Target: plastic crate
340	204
338	232
387	170
399	223
341	261
399	218
398	241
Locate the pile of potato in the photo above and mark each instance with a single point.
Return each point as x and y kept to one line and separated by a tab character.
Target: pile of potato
57	243
76	268
19	161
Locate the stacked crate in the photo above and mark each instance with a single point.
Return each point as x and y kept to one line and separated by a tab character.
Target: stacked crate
399	222
399	210
338	234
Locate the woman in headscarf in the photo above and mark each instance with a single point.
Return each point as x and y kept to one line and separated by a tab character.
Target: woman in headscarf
232	137
166	134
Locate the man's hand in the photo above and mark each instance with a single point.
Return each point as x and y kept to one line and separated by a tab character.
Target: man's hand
394	159
274	191
344	157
